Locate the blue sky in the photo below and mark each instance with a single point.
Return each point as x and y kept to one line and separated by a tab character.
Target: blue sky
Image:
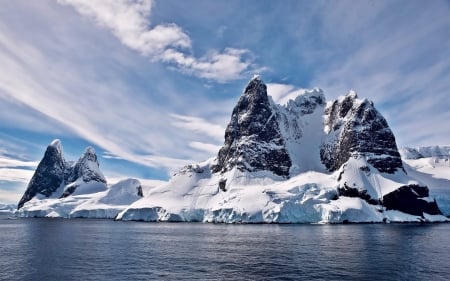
151	84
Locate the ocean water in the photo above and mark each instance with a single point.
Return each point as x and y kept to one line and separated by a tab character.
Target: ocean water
82	249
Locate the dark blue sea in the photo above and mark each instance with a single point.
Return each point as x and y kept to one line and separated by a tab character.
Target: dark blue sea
82	249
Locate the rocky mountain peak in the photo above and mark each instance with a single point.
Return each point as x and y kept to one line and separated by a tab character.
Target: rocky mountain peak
355	128
307	102
49	174
252	138
56	144
89	154
87	168
54	173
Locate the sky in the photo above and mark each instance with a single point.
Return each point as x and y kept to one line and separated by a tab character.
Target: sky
151	84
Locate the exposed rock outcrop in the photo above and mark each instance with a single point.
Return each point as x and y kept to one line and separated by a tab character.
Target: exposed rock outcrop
253	140
49	174
356	128
411	199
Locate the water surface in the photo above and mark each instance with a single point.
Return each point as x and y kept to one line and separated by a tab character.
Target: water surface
61	249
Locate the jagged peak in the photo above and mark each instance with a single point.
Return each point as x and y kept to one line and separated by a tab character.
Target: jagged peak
256	85
365	103
306	101
256	77
89	154
56	144
349	105
352	94
316	95
89	150
350	97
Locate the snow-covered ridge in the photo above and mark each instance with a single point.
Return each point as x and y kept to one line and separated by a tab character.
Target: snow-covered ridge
425	152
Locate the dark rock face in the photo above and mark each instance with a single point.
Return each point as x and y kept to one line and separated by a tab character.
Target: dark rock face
82	168
252	138
49	174
407	199
355	192
140	193
355	127
54	172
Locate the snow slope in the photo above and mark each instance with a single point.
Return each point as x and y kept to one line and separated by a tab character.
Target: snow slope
89	201
195	194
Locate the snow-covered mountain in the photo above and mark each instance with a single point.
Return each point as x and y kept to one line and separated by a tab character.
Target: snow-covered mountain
60	188
55	177
436	152
307	161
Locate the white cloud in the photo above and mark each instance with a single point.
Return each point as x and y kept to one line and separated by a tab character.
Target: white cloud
9	197
199	125
278	91
207	147
221	67
15	175
129	21
172	164
6	162
109	155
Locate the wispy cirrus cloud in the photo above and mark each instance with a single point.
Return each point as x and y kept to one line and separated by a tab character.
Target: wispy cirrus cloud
207	147
16	175
7	162
199	125
15	170
134	129
129	21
